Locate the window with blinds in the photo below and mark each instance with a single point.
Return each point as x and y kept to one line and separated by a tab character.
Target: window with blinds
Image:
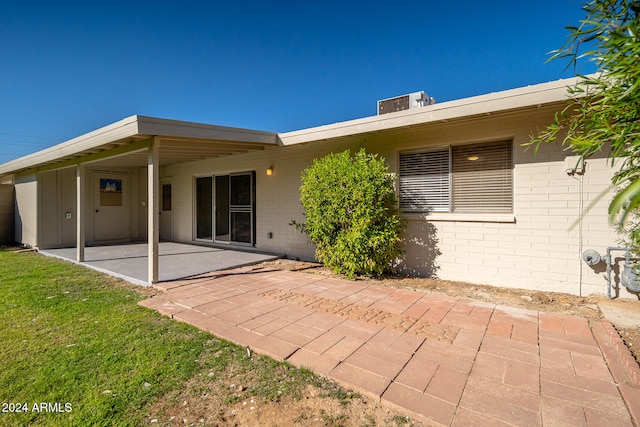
424	181
475	178
482	178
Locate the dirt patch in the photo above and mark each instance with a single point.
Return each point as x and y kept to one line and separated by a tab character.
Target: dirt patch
312	409
235	396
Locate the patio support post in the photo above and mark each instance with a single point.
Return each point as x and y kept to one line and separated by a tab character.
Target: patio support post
80	211
154	207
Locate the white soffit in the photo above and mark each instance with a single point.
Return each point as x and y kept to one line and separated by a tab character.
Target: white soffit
513	99
119	130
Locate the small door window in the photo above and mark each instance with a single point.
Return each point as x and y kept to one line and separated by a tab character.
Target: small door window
110	192
166	197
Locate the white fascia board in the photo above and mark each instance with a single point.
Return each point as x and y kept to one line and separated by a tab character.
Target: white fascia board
122	129
181	129
513	99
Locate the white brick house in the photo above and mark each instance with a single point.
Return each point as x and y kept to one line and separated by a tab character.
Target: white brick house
479	206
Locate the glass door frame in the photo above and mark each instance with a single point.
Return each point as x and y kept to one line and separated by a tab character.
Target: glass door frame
231	209
238	207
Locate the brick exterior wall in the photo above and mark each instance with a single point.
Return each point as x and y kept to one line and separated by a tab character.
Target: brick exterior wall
538	247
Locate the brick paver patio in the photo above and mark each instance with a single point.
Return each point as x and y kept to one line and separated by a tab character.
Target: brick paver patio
445	361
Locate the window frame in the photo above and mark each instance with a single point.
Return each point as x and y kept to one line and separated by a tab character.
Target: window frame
451	213
437	206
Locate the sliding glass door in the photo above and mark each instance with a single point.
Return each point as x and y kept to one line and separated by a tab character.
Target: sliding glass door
226	204
204	206
222	208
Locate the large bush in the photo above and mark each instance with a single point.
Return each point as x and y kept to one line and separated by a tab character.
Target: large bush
351	213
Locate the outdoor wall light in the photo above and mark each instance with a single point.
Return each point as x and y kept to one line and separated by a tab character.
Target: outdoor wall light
270	170
473	158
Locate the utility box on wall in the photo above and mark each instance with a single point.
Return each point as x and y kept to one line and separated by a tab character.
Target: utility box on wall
7	214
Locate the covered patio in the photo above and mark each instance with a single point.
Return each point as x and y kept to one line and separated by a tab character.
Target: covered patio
175	260
105	187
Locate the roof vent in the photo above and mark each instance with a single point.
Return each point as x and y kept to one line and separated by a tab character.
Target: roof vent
404	102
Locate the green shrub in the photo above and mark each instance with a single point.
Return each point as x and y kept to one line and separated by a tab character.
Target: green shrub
351	213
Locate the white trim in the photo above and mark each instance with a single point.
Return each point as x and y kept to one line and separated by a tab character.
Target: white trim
153	221
81	222
457	217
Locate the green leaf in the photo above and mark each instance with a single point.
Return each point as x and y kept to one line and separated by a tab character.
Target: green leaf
624	203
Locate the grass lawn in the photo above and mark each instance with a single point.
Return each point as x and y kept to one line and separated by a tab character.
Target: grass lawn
77	350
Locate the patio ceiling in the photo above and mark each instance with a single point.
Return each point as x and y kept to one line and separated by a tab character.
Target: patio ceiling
177	150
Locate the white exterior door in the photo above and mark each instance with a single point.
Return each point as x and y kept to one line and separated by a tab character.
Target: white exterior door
111	203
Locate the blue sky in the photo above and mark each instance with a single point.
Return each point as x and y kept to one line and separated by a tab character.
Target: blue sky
67	68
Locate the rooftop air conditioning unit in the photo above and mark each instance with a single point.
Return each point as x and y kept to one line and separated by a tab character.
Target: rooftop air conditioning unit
404	102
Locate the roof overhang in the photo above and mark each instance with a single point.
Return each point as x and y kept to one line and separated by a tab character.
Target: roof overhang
128	139
125	143
534	96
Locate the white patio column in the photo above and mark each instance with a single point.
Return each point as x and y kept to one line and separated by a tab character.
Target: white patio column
154	208
80	212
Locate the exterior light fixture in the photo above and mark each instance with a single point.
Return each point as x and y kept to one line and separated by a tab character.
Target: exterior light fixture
473	158
270	170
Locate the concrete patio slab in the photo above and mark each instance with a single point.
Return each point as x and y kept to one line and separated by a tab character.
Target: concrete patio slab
176	260
444	361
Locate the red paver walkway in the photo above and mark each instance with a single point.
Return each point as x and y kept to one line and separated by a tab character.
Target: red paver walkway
445	361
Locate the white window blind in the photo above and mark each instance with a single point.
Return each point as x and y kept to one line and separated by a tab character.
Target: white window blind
424	181
482	178
475	178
